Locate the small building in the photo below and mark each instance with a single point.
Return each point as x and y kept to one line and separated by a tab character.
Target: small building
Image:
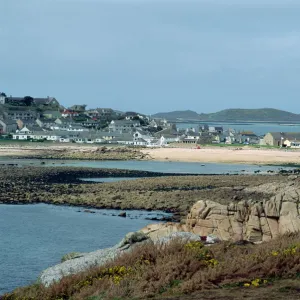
123	125
2	98
78	108
23	114
52	114
124	139
8	126
141	134
22	123
49	103
295	144
140	142
281	139
69	113
215	129
170	134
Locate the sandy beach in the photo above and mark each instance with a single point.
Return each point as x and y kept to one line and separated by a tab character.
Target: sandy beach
223	155
184	154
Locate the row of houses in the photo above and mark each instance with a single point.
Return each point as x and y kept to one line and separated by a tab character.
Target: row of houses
282	139
138	138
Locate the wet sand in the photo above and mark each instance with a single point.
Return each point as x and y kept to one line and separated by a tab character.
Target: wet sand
225	155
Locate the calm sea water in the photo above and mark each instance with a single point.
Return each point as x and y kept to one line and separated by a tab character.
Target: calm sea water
154	166
258	128
34	237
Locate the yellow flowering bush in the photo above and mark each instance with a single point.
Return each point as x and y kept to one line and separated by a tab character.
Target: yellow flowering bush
256	282
292	250
116	274
202	253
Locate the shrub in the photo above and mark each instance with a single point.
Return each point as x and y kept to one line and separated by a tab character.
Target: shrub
177	268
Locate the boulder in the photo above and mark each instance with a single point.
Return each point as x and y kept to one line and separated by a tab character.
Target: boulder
85	261
159	230
254	221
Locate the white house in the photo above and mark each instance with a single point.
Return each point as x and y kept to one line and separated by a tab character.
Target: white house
2	98
123	125
295	144
24	130
140	142
140	134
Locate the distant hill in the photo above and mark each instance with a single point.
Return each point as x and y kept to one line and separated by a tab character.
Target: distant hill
255	115
180	114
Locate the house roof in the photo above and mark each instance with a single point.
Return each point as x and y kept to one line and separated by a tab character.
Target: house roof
123	138
9	122
91	121
32	127
192	133
141	140
124	122
77	127
25	121
143	132
285	135
168	132
66	120
43	101
249	134
111	134
51	112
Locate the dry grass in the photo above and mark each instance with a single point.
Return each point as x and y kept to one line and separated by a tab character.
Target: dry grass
177	269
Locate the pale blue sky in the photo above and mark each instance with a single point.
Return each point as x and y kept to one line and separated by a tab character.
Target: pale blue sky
153	56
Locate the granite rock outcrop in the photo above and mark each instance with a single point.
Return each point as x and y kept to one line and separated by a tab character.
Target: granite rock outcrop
256	221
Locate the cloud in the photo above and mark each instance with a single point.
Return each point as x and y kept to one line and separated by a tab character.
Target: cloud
150	49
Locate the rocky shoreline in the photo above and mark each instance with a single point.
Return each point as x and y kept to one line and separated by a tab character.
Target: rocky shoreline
76	152
171	193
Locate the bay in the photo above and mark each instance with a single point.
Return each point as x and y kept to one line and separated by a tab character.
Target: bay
152	166
35	237
259	129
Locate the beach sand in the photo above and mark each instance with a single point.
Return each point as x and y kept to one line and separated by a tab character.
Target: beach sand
223	155
184	154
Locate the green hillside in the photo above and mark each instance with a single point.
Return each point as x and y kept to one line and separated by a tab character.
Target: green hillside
180	114
262	115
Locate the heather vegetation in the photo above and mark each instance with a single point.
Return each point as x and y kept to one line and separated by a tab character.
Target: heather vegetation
185	270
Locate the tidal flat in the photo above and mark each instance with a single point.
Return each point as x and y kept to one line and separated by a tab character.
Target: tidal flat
171	192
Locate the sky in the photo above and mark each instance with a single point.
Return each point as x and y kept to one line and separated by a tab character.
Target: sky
153	56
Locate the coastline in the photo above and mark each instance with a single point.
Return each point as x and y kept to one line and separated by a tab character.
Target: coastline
173	193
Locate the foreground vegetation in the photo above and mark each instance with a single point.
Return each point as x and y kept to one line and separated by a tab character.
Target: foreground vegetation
182	270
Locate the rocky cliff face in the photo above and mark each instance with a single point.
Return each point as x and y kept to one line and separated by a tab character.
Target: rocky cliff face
276	213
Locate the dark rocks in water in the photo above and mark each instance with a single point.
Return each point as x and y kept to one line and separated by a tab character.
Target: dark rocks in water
161	219
243	243
42	163
89	211
122	214
293	171
257	171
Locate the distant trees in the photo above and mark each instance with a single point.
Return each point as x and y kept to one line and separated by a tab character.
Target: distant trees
28	100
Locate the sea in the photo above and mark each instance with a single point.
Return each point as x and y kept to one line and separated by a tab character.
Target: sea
35	237
259	129
152	166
